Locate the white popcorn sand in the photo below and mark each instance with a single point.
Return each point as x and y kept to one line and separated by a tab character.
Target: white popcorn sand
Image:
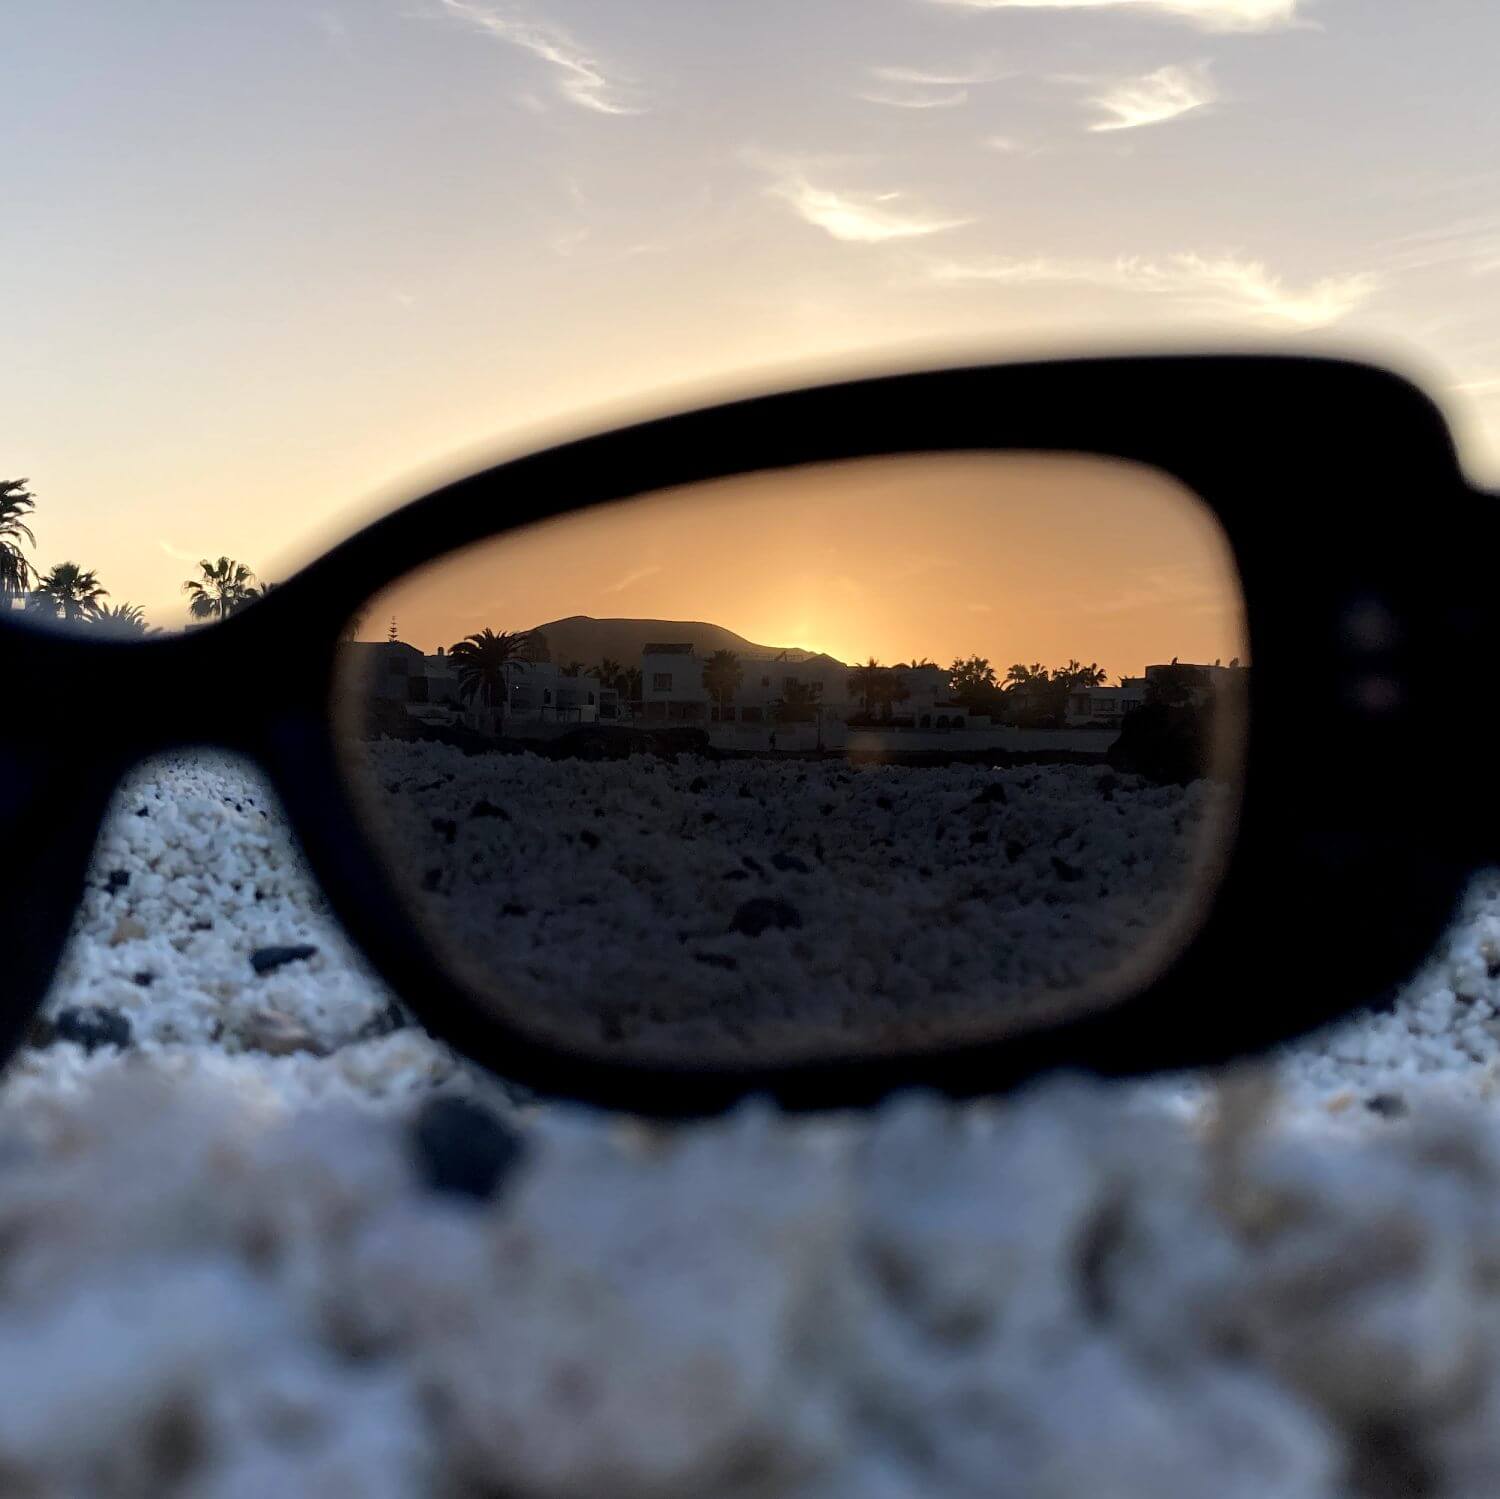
226	1272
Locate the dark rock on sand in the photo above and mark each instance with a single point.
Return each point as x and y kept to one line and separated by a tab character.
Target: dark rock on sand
461	1147
762	913
264	959
91	1026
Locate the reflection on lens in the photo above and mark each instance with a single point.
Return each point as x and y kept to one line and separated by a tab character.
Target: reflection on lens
844	760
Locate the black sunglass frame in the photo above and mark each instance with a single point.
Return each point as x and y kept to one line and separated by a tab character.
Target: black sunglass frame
1362	554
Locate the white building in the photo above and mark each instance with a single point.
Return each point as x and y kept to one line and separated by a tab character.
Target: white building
672	683
673	688
1106	705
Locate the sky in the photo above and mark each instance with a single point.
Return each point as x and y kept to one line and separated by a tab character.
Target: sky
267	270
1029	558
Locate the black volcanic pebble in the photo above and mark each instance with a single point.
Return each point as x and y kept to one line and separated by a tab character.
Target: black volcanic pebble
484	807
994	792
145	978
118	880
716	960
1387	1105
1065	871
756	916
589	838
384	1022
91	1026
447	827
788	862
264	959
462	1147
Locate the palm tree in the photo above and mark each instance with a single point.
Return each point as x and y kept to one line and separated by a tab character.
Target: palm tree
123	619
630	684
221	590
865	683
798	702
722	675
484	662
68	590
254	594
893	690
610	672
572	669
15	571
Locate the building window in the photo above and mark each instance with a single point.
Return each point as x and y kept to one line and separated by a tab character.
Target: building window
661	681
788	682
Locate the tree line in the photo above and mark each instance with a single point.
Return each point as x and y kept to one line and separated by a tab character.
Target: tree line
1028	695
68	592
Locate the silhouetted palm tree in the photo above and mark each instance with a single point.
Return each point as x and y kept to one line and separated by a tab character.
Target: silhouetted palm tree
123	619
865	682
220	591
483	662
68	590
1073	676
798	702
610	672
572	669
253	595
16	572
722	675
892	691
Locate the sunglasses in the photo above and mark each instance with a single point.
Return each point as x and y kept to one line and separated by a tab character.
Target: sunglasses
652	864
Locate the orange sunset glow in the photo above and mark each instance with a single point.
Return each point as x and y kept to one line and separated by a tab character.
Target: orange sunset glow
1017	558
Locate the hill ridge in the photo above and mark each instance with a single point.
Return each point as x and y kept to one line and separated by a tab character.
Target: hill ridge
590	639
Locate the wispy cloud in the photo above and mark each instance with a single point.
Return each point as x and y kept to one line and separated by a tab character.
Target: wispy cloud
1225	286
579	77
1186	589
632	578
1155	98
178	552
846	214
921	88
917	98
1471	243
948	78
1212	15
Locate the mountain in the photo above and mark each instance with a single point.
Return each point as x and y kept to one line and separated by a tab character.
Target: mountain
580	637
